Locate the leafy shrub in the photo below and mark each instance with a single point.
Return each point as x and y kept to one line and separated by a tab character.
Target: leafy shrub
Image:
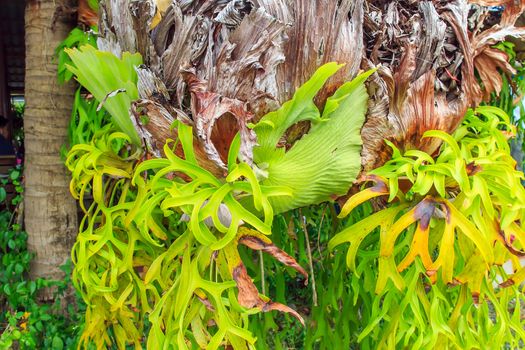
25	323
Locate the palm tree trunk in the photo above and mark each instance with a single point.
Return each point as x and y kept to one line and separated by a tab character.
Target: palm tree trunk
50	212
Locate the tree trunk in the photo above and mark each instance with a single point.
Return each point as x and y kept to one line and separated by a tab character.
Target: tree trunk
50	211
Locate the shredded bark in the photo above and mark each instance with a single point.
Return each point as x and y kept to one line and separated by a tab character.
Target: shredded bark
435	59
430	56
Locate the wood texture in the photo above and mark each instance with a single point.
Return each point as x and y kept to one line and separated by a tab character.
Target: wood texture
50	211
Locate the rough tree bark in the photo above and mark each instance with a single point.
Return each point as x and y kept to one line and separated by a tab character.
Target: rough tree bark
50	211
246	57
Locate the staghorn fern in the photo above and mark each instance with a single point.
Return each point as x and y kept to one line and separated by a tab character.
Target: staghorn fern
124	233
161	238
160	241
451	220
325	161
148	240
111	80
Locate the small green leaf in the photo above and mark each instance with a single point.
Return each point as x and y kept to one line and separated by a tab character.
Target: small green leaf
3	194
16	334
14	175
57	344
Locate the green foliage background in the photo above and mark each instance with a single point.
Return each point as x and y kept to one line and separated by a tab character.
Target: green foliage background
26	323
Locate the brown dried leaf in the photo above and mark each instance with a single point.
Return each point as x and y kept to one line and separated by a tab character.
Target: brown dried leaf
259	242
86	15
269	306
217	120
248	295
153	124
490	2
487	64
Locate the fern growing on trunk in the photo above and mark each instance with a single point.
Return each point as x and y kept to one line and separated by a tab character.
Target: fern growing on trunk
226	116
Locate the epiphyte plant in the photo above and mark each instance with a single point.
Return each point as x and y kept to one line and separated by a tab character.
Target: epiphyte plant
160	236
